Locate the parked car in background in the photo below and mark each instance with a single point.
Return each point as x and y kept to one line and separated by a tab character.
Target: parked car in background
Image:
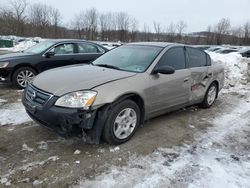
226	50
202	47
245	53
214	48
21	68
122	89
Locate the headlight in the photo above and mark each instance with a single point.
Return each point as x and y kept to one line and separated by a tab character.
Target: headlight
4	64
78	99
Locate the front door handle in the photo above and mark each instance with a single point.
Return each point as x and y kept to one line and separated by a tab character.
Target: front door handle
186	79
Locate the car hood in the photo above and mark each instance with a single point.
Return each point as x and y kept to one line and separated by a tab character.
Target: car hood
74	78
11	56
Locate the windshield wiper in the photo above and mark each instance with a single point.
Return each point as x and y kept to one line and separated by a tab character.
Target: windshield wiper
108	66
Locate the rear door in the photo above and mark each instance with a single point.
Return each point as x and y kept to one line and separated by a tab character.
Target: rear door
169	90
198	63
88	52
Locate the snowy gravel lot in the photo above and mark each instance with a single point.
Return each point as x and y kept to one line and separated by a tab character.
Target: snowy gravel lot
189	148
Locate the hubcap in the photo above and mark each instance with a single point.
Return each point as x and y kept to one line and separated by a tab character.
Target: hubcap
211	95
125	123
25	77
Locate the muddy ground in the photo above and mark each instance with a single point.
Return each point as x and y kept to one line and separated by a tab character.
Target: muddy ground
31	155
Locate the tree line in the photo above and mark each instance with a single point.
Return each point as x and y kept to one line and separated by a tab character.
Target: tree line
20	18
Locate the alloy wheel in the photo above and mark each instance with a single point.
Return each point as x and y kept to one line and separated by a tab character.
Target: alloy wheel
24	77
125	123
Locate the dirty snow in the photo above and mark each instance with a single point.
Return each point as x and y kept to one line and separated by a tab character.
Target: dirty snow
5	179
43	145
115	149
208	162
13	114
77	152
25	147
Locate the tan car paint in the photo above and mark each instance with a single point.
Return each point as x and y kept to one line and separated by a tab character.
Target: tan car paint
159	92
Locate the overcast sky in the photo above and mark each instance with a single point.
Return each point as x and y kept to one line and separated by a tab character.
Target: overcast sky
198	14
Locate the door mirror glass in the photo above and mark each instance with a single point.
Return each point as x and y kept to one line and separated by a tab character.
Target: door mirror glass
49	54
164	70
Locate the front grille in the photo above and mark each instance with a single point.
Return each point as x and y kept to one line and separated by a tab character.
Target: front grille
36	96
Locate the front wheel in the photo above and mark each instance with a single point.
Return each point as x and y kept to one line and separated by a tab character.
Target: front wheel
122	123
210	96
23	76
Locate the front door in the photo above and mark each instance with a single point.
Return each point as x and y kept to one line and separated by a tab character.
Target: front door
169	90
64	54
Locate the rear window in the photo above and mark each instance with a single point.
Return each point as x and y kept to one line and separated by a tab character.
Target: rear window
196	58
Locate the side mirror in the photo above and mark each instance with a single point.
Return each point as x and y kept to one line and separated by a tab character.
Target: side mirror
164	70
49	54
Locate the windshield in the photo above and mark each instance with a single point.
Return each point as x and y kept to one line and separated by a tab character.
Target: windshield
40	47
129	58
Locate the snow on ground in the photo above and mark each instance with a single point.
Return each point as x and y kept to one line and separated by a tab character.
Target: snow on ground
13	114
208	162
217	158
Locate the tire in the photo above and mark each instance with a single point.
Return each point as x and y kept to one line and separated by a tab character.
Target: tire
26	74
210	96
116	133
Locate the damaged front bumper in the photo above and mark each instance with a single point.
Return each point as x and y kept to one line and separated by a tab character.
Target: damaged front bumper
64	121
5	75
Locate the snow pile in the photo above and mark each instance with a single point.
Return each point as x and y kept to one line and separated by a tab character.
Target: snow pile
214	160
13	114
235	68
22	46
21	43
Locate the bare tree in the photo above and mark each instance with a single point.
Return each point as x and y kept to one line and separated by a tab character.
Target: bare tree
146	33
134	29
123	24
209	35
79	24
104	20
44	20
91	18
222	28
246	30
55	20
13	16
180	27
236	34
171	32
19	7
158	29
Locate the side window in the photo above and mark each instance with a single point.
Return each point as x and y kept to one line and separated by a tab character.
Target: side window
88	48
174	57
196	58
63	49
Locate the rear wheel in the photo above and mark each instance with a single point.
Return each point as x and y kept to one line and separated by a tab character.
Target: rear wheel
210	96
122	123
23	76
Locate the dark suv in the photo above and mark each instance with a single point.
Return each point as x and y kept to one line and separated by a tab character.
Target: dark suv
21	68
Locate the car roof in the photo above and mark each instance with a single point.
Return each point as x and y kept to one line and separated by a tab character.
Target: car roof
156	44
67	40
